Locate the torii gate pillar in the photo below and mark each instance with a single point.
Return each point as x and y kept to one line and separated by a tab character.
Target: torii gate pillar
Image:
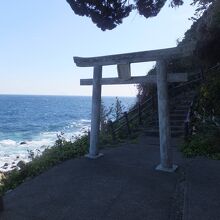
166	160
95	117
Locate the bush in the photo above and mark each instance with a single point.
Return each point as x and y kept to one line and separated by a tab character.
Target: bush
206	142
206	138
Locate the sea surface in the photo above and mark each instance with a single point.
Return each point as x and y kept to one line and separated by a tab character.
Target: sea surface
32	123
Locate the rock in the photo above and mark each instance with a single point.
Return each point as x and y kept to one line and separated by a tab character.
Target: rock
23	142
5	165
21	164
13	162
13	167
2	176
17	157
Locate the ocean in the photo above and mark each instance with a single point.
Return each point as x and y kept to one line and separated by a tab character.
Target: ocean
32	123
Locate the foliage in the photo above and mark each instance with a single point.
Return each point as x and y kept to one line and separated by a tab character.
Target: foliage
105	14
202	5
105	114
205	140
209	99
146	90
207	45
110	13
117	131
118	109
114	112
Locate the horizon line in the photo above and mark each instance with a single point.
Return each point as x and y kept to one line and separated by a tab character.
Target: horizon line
5	94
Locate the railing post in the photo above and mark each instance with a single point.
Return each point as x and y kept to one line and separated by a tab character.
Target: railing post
139	113
110	123
154	104
127	123
95	116
166	163
89	134
186	130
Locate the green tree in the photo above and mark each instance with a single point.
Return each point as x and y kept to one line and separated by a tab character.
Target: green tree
107	14
105	114
118	109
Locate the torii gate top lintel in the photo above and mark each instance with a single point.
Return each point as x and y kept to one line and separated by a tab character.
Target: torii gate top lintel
136	57
123	62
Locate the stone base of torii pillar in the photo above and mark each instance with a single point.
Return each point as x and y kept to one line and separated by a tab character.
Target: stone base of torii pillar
90	156
164	169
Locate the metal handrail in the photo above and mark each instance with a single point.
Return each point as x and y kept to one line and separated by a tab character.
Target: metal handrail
128	117
187	122
132	110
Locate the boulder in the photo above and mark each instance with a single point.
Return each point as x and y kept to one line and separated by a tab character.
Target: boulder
2	176
21	164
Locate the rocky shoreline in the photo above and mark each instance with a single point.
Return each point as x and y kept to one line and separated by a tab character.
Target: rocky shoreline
16	163
17	166
18	160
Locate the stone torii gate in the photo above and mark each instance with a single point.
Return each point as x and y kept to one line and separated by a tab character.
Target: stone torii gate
123	62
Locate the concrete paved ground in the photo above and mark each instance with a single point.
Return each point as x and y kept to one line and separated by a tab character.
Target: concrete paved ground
123	184
202	189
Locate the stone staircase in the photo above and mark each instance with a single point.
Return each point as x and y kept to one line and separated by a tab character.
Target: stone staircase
179	107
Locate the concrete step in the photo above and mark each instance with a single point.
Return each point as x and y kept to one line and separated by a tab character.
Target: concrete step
155	133
173	123
182	103
176	130
177	122
172	117
182	107
187	96
178	111
172	127
177	117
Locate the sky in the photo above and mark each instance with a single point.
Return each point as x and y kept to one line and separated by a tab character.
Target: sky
38	40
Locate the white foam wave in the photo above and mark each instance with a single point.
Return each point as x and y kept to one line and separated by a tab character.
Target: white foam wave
7	143
11	152
85	120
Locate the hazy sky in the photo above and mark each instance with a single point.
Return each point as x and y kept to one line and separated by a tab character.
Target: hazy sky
39	38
